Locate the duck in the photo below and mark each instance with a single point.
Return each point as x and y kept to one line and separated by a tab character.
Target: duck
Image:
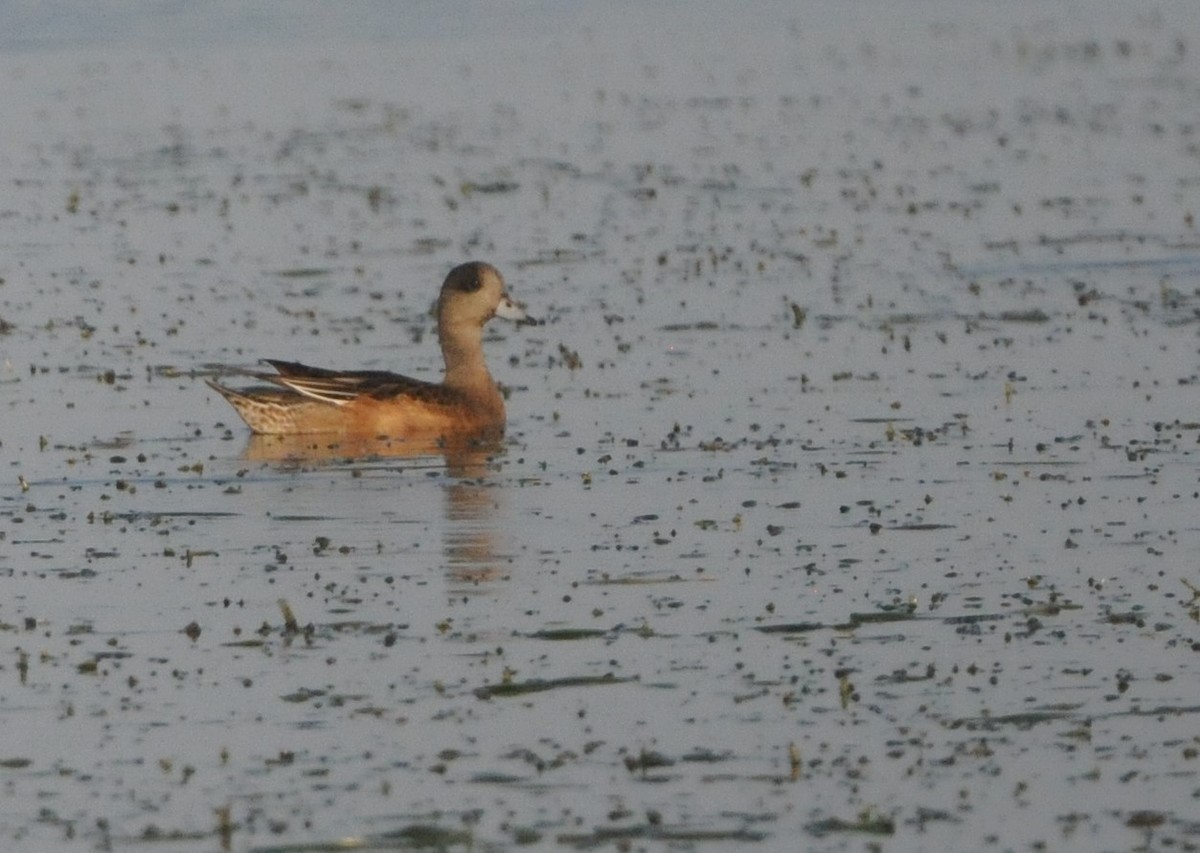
304	400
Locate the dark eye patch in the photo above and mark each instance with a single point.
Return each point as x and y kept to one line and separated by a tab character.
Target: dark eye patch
466	278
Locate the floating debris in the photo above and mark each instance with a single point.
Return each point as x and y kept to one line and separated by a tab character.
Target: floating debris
867	823
522	688
290	625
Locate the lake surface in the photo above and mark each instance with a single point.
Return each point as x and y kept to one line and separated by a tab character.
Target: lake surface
851	488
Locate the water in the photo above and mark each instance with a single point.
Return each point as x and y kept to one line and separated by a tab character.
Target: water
849	491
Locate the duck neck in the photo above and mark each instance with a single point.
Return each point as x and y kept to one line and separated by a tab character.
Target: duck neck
462	349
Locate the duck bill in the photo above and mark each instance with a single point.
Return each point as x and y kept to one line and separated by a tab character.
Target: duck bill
508	309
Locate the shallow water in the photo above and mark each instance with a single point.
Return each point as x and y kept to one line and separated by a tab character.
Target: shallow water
850	490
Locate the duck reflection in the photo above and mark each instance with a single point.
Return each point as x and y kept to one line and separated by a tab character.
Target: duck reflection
471	503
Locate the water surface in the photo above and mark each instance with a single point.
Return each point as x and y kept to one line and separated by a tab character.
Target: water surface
850	490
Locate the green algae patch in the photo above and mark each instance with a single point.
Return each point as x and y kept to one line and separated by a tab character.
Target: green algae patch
537	685
563	634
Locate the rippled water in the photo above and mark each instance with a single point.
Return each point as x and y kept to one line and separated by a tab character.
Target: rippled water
850	490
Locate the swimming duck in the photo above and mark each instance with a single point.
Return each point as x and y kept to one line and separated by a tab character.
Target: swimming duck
304	400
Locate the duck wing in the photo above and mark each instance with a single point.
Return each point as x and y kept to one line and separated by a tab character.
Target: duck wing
340	387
